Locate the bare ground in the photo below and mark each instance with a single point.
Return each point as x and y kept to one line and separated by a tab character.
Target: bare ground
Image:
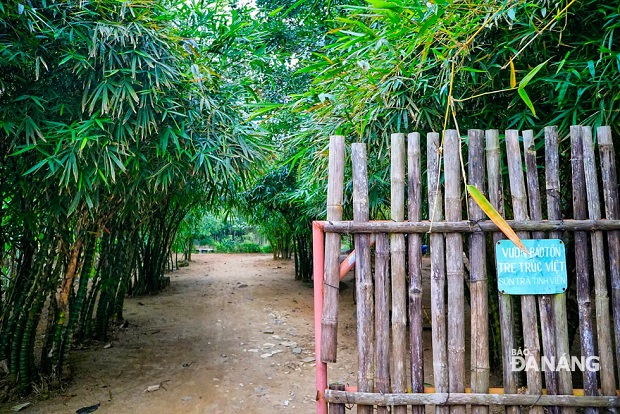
232	334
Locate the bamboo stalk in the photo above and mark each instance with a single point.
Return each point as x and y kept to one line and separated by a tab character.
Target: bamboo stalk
331	281
363	277
336	408
505	301
528	302
601	299
399	289
449	399
414	205
552	184
466	226
610	194
582	261
478	276
438	276
547	324
382	316
454	268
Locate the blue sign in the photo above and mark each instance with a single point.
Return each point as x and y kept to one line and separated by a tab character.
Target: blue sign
541	272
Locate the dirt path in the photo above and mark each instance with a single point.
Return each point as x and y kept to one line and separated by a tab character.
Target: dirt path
232	334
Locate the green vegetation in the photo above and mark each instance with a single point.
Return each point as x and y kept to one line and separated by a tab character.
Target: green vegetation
123	122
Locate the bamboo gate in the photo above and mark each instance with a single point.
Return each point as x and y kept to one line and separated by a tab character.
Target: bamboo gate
390	355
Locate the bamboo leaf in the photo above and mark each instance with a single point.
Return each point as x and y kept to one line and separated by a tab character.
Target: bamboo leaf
527	100
513	75
495	217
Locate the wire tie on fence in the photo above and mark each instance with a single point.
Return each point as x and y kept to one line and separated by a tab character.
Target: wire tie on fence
447	398
331	286
535	402
476	223
350	407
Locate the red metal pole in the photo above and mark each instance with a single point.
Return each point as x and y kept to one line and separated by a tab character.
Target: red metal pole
318	255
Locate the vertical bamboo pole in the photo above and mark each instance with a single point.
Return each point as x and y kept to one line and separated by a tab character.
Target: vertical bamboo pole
363	277
601	302
494	171
399	286
552	184
547	324
582	259
610	194
528	302
454	268
414	205
382	317
478	276
335	408
318	251
438	269
329	321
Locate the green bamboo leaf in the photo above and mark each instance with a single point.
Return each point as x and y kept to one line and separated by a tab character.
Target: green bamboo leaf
527	100
495	217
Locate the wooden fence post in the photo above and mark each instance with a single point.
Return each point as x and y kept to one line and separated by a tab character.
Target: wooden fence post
528	302
454	268
478	275
382	316
494	171
414	205
582	262
552	185
610	194
329	320
601	300
547	323
363	277
399	285
438	269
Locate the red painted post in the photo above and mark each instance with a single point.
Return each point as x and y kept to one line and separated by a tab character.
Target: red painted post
318	253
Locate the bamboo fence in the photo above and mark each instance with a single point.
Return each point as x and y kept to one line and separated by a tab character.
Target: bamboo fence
464	297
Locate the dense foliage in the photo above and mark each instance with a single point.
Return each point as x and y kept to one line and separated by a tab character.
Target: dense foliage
114	123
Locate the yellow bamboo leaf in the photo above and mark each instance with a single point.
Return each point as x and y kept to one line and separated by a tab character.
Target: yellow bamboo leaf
495	217
513	76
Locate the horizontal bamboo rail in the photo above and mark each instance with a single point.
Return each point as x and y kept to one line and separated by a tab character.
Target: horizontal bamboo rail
467	226
345	397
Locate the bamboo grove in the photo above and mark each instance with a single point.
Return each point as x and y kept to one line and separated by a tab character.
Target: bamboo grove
114	123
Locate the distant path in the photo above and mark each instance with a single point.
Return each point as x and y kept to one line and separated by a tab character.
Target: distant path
203	340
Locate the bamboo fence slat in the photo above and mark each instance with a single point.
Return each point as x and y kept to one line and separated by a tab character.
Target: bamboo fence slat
438	269
449	399
601	302
334	407
582	262
552	185
610	194
363	277
414	205
335	183
547	323
398	255
454	268
528	302
382	316
496	198
466	226
478	276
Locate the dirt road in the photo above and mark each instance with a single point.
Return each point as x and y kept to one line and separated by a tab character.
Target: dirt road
232	334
